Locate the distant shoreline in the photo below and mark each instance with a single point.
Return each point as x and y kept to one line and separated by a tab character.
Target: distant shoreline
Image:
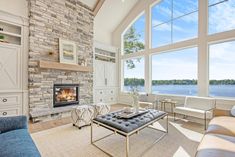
140	82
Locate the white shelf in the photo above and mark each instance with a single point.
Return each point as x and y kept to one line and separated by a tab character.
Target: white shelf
11	34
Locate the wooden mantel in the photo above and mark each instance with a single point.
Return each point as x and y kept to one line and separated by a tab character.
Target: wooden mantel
63	66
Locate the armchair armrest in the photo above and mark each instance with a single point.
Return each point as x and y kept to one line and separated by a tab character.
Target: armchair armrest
12	123
211	109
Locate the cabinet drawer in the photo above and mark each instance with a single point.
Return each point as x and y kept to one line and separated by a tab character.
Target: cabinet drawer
10	112
111	99
100	92
110	92
9	99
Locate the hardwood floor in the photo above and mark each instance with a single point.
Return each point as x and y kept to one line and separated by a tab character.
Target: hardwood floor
40	126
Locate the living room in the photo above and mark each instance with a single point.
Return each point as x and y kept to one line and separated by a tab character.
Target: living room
117	78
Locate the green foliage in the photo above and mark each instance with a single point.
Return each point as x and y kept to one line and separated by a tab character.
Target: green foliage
140	82
222	82
131	45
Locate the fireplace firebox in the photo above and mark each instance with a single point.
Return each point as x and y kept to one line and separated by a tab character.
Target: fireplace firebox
65	94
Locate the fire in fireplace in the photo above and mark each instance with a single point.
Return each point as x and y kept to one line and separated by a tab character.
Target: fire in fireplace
65	94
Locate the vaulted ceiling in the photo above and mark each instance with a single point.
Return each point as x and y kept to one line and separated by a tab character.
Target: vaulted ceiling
109	16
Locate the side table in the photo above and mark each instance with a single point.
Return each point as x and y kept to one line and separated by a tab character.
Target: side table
167	101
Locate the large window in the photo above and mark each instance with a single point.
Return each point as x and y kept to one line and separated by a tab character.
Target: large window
175	72
221	15
134	36
222	69
163	53
134	74
172	21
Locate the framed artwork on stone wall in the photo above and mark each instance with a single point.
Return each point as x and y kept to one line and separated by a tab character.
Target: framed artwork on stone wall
68	52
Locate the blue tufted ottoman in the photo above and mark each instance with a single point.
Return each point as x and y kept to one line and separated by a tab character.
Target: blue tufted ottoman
128	127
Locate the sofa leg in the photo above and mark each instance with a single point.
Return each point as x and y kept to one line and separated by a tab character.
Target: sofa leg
174	116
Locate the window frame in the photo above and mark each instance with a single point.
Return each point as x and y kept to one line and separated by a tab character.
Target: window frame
202	42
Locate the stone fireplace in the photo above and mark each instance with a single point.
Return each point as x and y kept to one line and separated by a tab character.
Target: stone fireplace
65	94
48	21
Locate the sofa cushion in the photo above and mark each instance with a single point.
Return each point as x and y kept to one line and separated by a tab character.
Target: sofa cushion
17	143
193	112
214	145
201	103
12	123
222	125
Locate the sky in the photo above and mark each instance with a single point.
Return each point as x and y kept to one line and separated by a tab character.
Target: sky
183	64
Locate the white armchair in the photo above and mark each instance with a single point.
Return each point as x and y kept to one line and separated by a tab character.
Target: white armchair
199	107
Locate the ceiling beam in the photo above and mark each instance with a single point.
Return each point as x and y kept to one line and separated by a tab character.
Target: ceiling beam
98	6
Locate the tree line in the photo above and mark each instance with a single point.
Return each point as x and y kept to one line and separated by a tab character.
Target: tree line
140	82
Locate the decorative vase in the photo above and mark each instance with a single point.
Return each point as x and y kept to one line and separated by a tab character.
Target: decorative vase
136	103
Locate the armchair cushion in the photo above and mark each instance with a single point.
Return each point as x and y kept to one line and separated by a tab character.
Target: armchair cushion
12	123
201	103
215	145
223	125
193	112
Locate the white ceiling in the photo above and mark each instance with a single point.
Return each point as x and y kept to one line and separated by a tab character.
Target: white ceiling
109	17
90	3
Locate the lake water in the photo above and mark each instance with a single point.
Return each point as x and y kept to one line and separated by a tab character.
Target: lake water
215	90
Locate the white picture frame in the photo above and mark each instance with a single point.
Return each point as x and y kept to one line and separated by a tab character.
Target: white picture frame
68	53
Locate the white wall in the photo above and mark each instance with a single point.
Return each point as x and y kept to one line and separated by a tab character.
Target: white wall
16	7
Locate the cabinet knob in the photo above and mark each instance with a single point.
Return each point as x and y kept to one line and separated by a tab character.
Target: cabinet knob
100	100
100	92
4	113
4	100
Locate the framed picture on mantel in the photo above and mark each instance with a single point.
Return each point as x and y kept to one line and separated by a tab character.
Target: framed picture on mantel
68	52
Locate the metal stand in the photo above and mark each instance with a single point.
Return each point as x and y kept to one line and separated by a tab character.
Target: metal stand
127	135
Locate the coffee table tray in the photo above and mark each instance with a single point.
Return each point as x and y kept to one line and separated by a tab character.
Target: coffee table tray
126	115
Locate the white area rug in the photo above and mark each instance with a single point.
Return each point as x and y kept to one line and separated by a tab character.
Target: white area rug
68	141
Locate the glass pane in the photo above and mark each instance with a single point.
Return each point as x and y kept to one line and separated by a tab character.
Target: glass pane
175	72
161	35
134	37
185	27
221	16
179	8
222	65
134	74
161	12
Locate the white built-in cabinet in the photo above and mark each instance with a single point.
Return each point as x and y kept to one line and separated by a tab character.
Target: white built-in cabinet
13	65
105	74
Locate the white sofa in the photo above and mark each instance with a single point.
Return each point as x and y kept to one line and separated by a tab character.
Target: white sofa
199	107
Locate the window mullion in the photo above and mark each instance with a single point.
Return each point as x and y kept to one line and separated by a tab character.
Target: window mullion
203	61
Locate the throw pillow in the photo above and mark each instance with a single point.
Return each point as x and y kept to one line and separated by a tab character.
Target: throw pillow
233	111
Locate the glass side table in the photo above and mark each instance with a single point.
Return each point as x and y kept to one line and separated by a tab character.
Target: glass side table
165	102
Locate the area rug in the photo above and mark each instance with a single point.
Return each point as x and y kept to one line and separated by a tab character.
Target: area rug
68	141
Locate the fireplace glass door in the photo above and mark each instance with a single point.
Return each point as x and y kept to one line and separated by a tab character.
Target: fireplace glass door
66	94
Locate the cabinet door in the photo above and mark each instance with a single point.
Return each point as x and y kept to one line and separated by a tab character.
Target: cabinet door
10	67
110	74
99	73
